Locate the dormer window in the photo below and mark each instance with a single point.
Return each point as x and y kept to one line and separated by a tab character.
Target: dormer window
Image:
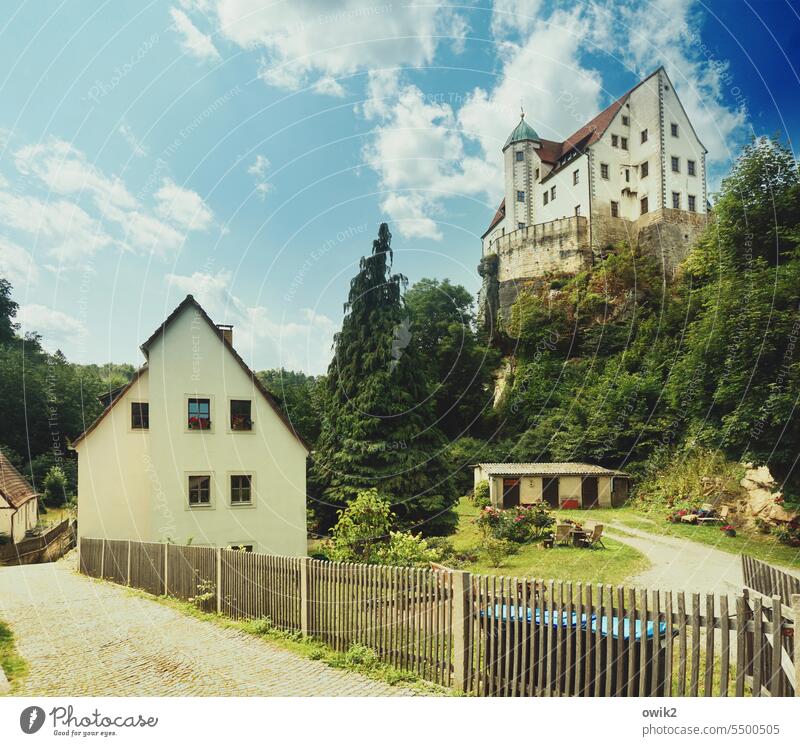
520	156
199	414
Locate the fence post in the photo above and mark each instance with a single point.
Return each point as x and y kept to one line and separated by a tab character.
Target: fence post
219	580
796	639
129	562
166	568
460	628
305	596
102	559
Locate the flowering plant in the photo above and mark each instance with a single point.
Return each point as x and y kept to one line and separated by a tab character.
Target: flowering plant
199	423
728	529
518	524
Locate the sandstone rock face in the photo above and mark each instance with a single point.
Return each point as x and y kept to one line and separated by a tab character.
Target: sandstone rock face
762	498
779	514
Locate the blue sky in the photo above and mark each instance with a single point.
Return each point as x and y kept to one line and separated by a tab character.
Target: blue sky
246	151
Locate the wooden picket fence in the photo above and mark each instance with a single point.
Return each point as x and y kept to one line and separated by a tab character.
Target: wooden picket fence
768	580
486	635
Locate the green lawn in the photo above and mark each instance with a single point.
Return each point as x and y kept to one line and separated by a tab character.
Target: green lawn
14	666
56	515
760	546
614	564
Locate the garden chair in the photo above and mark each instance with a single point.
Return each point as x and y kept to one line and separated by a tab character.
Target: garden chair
563	533
594	539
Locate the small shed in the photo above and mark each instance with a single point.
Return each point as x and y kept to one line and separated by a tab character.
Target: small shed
19	506
560	485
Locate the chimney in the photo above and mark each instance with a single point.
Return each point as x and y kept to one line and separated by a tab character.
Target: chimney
227	332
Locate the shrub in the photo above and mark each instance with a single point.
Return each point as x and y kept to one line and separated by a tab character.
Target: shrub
789	535
497	550
407	550
361	527
360	656
517	524
263	626
55	486
480	494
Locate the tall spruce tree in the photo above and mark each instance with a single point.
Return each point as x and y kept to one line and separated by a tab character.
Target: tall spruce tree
378	426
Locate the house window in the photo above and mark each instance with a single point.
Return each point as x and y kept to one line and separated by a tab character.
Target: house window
625	120
140	415
614	141
577	210
199	414
545	197
676	200
643	205
623	142
552	192
240	414
241	489
674	129
604	170
520	196
575	176
520	155
615	209
644	136
199	490
645	169
676	164
692	203
690	168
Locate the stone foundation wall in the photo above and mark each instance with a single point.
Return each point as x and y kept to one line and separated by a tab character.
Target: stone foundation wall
668	235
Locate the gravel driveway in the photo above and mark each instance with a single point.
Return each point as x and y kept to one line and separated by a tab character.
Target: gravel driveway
86	638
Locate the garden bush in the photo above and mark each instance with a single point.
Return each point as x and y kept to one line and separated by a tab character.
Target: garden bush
518	524
407	550
480	495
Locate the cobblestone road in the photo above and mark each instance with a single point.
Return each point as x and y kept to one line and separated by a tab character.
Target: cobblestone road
81	637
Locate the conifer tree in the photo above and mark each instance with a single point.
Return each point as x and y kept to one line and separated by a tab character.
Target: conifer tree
378	426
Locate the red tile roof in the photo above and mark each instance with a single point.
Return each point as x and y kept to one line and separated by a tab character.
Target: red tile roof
13	487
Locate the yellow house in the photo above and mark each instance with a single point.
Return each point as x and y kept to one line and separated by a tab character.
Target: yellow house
195	449
19	506
564	485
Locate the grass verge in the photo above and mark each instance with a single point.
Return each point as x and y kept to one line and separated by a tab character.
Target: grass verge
358	658
12	664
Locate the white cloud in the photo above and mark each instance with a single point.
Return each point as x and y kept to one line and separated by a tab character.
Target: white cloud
17	265
328	86
258	170
514	17
183	206
307	40
193	41
133	142
264	340
56	327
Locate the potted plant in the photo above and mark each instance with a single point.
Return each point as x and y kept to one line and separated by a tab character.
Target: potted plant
199	423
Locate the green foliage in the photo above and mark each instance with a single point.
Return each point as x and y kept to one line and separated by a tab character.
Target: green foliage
362	526
405	549
379	424
498	550
360	656
55	486
299	397
480	494
518	524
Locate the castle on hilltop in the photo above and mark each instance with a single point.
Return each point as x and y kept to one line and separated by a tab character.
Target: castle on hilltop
636	173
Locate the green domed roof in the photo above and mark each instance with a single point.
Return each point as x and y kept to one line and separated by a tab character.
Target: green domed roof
523	131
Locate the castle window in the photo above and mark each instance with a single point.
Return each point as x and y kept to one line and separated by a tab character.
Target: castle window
614	141
625	120
520	226
692	203
676	200
520	196
676	164
604	170
644	135
552	192
537	174
623	143
627	174
575	176
643	205
520	155
615	209
577	210
690	168
645	169
673	129
545	197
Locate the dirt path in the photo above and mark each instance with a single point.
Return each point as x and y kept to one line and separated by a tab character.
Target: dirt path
82	637
680	564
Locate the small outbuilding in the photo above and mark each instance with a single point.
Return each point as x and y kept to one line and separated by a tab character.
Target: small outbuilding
565	485
19	506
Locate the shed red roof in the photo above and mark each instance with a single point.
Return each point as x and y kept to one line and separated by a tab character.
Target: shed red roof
14	489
